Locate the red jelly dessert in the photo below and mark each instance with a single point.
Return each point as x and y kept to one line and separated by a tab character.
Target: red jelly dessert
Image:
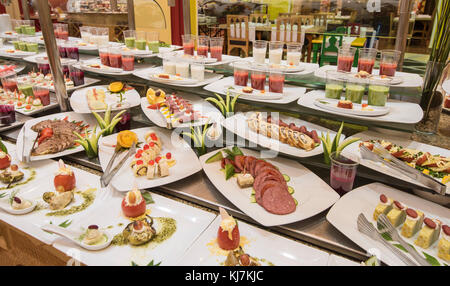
228	236
64	180
345	104
133	204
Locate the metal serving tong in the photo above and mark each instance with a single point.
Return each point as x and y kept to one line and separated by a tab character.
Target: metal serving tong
379	154
107	176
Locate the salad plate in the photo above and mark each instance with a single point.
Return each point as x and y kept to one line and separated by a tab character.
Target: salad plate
171	149
290	93
61	122
189	223
344	214
307	194
254	241
399	111
400	143
81	102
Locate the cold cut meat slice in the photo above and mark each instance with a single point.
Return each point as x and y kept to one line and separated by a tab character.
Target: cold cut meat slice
265	171
259	192
238	162
278	201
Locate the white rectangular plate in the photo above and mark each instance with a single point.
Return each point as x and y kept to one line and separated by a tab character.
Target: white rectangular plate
344	214
78	99
31	135
178	56
147	74
282	251
312	194
290	93
191	222
186	160
238	125
206	109
406	79
307	68
399	111
398	138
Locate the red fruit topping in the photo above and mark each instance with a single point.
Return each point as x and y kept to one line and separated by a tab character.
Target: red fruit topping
93	226
146	147
152	144
398	204
14	167
151	162
430	223
140	151
412	213
137	225
153	136
446	229
158	159
383	199
17	200
245	260
139	162
168	155
138	155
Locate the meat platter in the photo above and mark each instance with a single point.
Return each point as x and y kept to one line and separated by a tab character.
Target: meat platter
272	191
55	132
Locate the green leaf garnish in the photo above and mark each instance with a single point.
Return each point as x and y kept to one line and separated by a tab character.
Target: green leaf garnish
148	198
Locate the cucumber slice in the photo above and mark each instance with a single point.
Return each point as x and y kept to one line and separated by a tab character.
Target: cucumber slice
253	192
373	261
214	158
286	178
229	171
291	190
252	199
295	201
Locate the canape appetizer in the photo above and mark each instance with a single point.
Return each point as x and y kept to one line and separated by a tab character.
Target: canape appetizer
228	236
5	160
397	214
156	97
19	203
383	207
93	236
429	233
444	244
12	174
348	104
139	232
239	258
133	204
413	223
58	201
64	180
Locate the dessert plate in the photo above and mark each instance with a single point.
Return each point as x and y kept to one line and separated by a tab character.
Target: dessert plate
399	111
290	93
186	161
283	252
344	214
190	223
255	94
312	194
130	98
332	105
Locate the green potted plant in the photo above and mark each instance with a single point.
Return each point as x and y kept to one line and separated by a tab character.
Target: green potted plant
431	100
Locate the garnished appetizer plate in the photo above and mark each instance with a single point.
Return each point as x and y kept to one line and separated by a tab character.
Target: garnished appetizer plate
9	52
419	222
171	227
98	98
25	105
37	78
248	92
348	107
181	111
271	190
290	93
399	111
401	79
213	249
160	159
157	75
180	56
56	135
256	127
302	69
432	160
52	207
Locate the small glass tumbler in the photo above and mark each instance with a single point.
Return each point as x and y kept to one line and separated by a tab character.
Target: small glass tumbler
276	82
188	44
334	85
153	41
389	62
216	47
346	55
342	173
202	46
259	51
294	53
127	60
275	52
43	94
129	37
366	59
76	75
240	74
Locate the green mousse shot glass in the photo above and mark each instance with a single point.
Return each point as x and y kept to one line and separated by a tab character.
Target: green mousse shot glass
29	30
141	44
16	45
130	42
333	90
153	46
26	89
32	47
354	93
23	46
18	29
378	95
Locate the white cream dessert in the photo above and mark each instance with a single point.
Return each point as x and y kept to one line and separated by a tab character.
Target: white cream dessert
93	236
19	203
